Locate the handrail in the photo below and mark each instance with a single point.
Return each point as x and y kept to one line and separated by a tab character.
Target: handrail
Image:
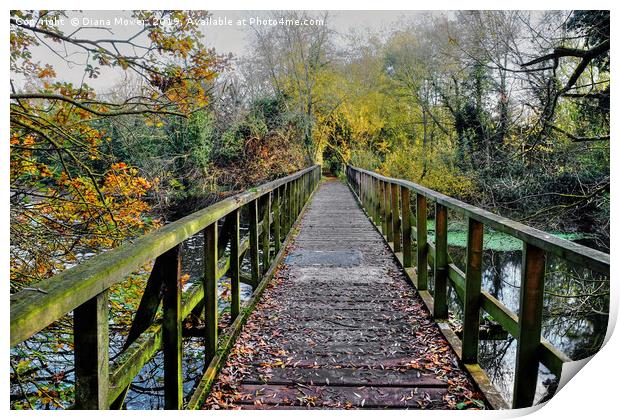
40	305
387	203
83	289
571	251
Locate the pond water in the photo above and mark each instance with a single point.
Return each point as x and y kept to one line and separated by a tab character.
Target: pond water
147	389
575	313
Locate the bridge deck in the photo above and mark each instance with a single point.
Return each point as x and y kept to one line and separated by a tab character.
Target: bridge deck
339	327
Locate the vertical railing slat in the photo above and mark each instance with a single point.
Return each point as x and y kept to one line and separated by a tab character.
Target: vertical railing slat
471	300
440	306
389	233
91	353
394	190
266	216
210	291
172	335
406	220
254	261
235	267
384	216
421	243
530	325
277	239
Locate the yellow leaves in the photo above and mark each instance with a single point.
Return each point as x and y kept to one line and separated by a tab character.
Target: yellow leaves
46	72
428	168
183	279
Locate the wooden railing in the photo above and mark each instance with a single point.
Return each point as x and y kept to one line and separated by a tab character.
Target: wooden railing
273	209
387	203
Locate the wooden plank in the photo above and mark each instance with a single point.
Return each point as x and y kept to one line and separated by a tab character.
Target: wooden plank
493	396
530	326
172	337
440	303
389	213
344	377
471	301
384	217
552	358
377	185
421	243
91	353
210	290
277	238
337	396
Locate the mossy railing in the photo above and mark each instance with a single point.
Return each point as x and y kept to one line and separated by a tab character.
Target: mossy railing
273	209
387	203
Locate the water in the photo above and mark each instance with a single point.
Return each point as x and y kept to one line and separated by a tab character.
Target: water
147	389
575	308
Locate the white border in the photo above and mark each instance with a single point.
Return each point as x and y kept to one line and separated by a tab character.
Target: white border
591	394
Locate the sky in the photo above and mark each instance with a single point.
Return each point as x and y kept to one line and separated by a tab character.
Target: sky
233	38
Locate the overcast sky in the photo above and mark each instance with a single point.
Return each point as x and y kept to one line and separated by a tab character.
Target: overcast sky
225	39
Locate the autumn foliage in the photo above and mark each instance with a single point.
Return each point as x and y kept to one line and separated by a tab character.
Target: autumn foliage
71	196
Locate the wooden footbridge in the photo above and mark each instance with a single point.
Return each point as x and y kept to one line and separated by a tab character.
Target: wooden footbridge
340	315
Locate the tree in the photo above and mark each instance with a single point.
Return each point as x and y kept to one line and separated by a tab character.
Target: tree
293	57
70	195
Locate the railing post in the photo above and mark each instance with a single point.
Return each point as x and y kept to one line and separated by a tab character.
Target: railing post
471	300
295	202
266	216
299	197
377	200
172	335
406	216
234	267
530	325
389	233
254	264
91	353
384	215
210	291
276	220
366	200
421	243
286	201
362	191
395	216
440	306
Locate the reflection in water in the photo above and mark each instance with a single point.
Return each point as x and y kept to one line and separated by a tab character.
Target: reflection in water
147	390
575	314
